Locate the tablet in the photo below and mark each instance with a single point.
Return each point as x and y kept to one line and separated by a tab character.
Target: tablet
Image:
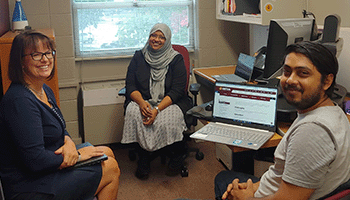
91	161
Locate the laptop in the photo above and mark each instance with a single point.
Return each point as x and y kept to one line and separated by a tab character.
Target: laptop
244	115
243	72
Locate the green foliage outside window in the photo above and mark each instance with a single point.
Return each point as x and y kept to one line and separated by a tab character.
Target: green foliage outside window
127	28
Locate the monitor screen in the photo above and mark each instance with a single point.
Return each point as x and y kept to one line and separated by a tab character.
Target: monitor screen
283	32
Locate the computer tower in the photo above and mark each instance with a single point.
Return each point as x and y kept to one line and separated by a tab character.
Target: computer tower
251	162
238	161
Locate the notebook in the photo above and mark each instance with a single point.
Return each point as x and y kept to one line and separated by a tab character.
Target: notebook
91	161
243	72
247	110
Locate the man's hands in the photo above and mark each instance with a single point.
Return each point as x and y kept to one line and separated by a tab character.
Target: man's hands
239	191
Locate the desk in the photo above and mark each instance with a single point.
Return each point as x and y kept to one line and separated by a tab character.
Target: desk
207	72
203	75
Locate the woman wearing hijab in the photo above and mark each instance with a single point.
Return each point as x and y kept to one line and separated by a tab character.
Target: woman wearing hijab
156	100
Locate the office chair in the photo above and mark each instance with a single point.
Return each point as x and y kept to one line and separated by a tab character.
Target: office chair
2	197
343	195
190	121
342	192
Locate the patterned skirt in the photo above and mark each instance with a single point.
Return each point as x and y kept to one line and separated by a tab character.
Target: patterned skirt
166	129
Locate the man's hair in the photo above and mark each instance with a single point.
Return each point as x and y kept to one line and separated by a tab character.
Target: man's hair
324	60
22	42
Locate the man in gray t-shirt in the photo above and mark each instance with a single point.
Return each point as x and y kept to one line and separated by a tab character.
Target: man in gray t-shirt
313	158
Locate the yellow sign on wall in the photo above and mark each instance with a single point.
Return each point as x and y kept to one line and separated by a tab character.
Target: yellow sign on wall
268	7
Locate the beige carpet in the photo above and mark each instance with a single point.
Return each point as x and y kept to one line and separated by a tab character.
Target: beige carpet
198	185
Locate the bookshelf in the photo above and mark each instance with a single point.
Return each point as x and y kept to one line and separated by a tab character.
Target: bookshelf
260	12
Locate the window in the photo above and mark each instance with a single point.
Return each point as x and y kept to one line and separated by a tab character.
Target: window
105	28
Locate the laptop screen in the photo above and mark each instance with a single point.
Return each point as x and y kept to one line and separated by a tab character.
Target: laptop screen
245	66
248	105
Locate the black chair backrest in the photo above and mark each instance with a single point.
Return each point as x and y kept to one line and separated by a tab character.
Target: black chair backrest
1	192
339	189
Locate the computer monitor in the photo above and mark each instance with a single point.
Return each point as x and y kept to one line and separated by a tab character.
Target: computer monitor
283	32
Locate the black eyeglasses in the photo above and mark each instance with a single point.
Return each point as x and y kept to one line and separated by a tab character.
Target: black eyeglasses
39	56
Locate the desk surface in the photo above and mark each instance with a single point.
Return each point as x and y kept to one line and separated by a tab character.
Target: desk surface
209	71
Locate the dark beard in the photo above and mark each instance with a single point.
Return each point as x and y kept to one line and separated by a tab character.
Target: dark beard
306	101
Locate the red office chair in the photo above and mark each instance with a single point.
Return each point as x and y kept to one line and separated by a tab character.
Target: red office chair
343	195
342	192
194	89
184	52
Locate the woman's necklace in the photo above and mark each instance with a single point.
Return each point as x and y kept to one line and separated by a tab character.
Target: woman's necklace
40	94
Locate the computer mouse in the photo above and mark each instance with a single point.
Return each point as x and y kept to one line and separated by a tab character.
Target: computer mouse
209	107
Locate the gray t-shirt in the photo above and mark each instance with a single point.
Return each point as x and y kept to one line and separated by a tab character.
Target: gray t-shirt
314	153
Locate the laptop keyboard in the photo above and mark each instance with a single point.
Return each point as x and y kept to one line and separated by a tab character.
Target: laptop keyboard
229	78
240	134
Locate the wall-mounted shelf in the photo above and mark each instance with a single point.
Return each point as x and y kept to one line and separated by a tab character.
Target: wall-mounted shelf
269	9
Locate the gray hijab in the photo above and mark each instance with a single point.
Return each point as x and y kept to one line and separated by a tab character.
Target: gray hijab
159	61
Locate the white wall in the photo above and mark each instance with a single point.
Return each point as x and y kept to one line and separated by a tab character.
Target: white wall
344	59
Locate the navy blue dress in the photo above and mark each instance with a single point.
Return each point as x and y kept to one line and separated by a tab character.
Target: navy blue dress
30	133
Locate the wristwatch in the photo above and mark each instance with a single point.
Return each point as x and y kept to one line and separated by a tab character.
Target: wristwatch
79	158
157	109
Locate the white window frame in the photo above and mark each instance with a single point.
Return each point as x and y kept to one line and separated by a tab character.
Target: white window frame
128	52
